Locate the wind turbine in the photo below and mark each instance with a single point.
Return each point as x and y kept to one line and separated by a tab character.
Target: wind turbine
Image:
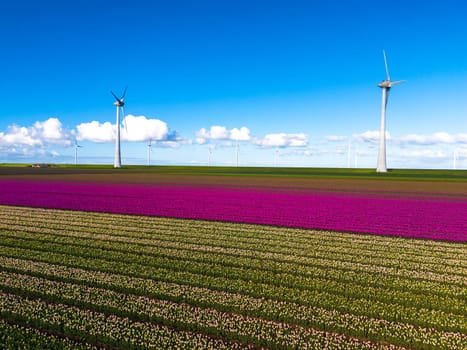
349	149
276	156
454	158
76	152
237	154
210	154
385	85
149	152
119	103
356	157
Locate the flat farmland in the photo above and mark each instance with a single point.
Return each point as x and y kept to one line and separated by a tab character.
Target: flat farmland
138	259
401	204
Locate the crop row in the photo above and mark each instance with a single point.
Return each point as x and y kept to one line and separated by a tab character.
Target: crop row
316	251
13	336
133	265
227	243
295	254
241	268
274	335
315	268
153	277
139	302
277	237
97	327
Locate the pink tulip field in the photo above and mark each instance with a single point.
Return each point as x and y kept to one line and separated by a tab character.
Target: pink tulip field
415	216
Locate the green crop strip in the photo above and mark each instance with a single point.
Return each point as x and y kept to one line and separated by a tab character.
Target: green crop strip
247	269
346	173
13	336
64	273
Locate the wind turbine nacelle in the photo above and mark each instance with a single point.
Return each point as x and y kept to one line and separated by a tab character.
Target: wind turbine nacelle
388	83
118	103
385	84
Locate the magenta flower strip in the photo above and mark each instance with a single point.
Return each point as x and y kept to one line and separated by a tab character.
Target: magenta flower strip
424	217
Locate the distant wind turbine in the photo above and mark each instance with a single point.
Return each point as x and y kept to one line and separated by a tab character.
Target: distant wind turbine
349	149
119	103
356	157
276	156
209	154
385	85
149	152
76	152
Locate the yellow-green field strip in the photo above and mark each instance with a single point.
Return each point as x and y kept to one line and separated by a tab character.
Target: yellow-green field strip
119	281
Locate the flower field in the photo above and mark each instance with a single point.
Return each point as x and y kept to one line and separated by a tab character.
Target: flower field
418	215
74	279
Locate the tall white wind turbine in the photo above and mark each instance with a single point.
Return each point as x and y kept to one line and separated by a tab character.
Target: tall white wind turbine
385	86
119	103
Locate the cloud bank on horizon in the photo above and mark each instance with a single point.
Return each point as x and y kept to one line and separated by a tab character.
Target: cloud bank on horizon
50	137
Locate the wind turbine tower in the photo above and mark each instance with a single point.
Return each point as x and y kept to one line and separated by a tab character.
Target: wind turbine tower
454	159
76	152
210	154
149	151
349	149
385	86
119	103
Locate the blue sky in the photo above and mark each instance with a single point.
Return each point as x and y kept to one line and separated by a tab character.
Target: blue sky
292	82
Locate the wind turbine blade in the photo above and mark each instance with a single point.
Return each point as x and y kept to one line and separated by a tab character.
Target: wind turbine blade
386	66
115	96
124	120
124	92
397	82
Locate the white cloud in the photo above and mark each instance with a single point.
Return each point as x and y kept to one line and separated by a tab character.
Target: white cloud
242	134
96	132
297	152
423	153
174	140
371	136
140	128
335	138
41	133
438	137
282	140
217	132
17	136
52	132
133	128
202	136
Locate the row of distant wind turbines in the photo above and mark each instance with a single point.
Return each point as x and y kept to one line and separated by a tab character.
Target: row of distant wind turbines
381	167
